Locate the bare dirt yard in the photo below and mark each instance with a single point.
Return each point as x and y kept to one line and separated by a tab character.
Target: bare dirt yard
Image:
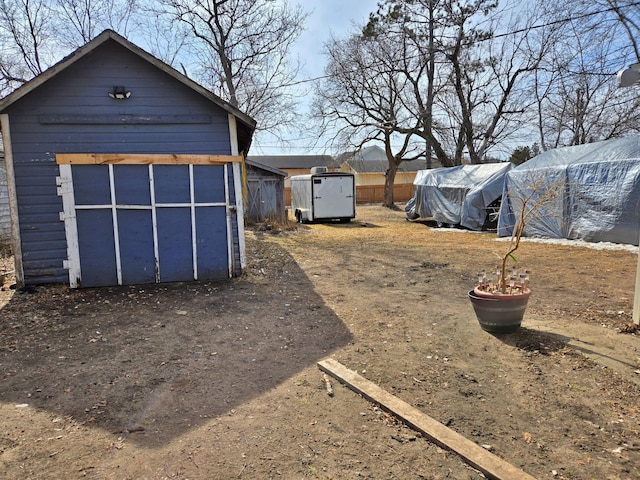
219	380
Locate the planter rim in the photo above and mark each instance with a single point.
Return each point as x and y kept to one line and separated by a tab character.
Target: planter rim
526	293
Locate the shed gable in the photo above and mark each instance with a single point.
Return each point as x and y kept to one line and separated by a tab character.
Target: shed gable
74	112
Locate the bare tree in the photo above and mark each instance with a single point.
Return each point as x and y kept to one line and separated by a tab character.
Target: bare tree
164	38
360	101
36	33
418	27
472	77
24	30
577	98
242	48
414	25
623	15
78	21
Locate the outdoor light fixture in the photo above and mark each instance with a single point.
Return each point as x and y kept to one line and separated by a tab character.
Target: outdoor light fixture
119	93
629	76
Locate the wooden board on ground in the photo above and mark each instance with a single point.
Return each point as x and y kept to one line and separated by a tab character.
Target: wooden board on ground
477	456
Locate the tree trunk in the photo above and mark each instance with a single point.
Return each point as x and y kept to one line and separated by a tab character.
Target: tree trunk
389	181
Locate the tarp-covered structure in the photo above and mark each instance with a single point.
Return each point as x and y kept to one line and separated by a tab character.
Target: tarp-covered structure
457	195
596	193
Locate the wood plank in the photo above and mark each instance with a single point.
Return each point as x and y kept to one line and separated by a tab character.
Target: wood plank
488	463
70	226
13	200
143	159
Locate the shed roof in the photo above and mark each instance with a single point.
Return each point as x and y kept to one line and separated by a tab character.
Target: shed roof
247	124
267	168
294	161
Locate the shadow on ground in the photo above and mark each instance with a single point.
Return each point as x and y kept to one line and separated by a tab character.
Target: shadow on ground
531	340
157	360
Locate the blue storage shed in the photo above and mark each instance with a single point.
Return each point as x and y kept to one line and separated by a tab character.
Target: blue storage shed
122	171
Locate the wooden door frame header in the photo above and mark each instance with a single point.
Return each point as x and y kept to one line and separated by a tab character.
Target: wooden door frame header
143	159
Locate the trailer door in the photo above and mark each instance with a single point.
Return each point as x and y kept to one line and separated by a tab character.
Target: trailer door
333	196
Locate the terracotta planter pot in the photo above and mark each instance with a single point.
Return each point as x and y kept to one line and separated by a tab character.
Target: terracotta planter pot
498	313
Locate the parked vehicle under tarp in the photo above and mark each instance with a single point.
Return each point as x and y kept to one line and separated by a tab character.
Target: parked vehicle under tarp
461	195
599	193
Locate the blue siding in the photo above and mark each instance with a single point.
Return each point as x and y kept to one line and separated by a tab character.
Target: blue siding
136	246
208	184
171	184
98	256
175	244
42	124
211	224
91	185
44	245
131	184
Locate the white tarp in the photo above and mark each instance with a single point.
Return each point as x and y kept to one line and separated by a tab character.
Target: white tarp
598	193
457	195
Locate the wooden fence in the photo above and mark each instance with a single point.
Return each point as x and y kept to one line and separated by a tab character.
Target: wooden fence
366	194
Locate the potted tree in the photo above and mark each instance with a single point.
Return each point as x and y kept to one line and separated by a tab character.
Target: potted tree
500	302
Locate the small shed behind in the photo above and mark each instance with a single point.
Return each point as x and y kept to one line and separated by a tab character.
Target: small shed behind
265	192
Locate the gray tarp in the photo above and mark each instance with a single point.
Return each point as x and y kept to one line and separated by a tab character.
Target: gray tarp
457	195
598	192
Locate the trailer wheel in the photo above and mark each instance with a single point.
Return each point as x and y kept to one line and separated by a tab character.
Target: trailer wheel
345	220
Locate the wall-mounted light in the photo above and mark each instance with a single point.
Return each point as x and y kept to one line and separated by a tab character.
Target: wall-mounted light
629	76
119	93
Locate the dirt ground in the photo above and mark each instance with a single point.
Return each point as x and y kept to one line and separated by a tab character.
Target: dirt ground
219	380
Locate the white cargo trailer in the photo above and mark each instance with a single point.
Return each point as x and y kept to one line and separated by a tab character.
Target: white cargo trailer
323	195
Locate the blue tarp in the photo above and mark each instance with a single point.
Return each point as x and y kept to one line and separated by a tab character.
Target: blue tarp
597	193
457	195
